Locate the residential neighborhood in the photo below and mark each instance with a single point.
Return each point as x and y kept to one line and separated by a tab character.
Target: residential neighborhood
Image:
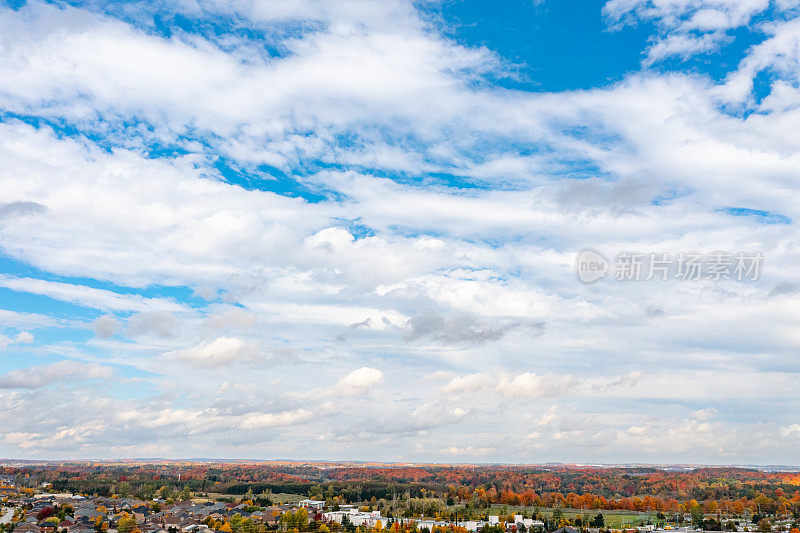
40	509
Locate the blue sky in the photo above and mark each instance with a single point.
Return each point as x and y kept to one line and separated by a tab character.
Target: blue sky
349	229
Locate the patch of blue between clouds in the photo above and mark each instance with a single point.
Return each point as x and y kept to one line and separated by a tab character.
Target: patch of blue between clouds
20	269
60	128
669	195
25	302
357	229
559	45
760	216
556	45
717	64
106	135
268	178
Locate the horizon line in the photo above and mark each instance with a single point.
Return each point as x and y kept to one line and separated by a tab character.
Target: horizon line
774	466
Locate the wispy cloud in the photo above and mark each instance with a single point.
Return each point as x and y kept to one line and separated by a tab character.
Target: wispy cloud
36	377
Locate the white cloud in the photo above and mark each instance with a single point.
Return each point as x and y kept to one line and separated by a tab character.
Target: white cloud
531	385
469	383
87	296
468	451
23	337
359	380
35	377
275	419
16	319
688	27
106	326
220	351
528	384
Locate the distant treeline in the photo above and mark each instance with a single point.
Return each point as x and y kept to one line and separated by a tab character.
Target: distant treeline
715	490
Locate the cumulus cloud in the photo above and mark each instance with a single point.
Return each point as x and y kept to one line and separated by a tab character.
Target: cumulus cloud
106	326
220	351
470	382
22	337
533	385
359	380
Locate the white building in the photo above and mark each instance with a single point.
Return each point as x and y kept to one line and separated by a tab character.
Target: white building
312	504
336	516
367	519
357	518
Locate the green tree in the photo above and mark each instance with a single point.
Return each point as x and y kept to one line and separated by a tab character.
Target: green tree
126	524
124	489
697	515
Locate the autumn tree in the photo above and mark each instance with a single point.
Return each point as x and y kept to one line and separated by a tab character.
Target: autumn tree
126	524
